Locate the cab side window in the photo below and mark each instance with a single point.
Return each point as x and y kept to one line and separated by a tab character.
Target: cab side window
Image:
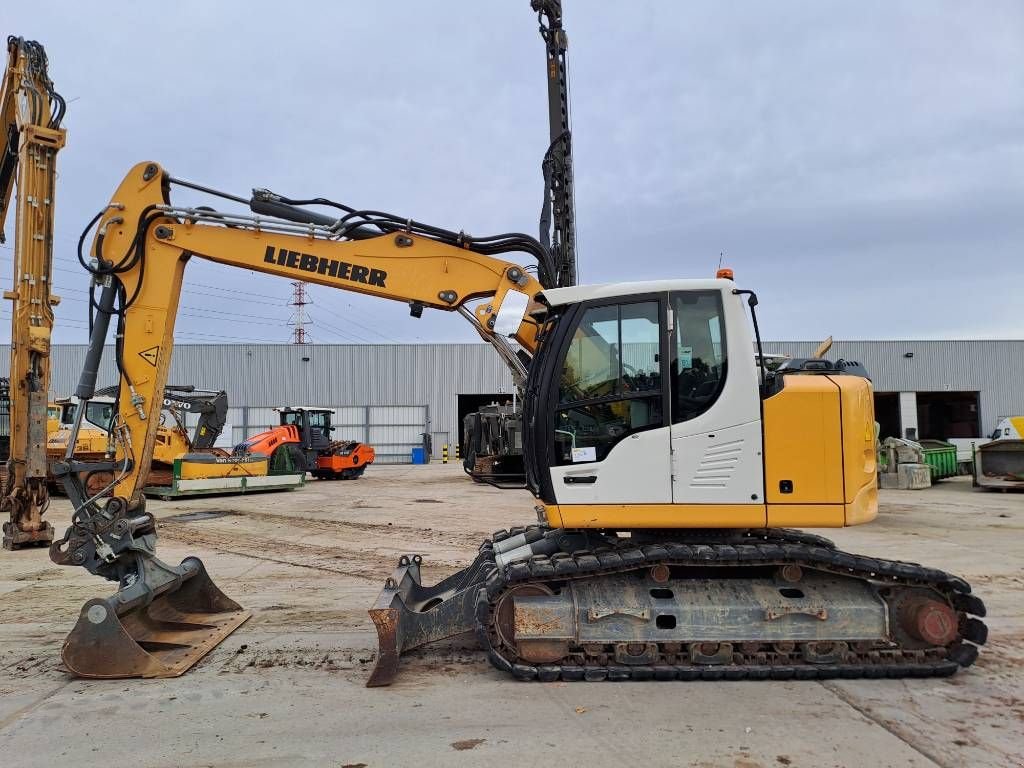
611	384
699	360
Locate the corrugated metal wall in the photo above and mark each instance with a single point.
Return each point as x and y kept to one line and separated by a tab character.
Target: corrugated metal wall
415	375
392	430
995	369
432	375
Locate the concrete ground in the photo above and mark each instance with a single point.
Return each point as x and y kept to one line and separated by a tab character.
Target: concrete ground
287	688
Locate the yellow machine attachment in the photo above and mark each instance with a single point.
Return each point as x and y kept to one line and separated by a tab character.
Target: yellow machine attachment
31	112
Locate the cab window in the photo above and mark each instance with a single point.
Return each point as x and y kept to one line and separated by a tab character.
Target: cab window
67	413
699	352
100	414
610	385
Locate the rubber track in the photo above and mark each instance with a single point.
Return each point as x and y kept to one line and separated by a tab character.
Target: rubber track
770	547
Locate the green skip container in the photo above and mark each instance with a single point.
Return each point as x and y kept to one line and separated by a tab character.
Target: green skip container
940	457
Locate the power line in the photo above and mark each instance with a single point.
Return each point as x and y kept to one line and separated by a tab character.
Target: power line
187	288
343	334
367	328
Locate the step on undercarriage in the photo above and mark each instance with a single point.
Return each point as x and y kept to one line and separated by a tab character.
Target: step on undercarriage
685	605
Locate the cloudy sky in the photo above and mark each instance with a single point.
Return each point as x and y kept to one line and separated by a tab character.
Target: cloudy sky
859	164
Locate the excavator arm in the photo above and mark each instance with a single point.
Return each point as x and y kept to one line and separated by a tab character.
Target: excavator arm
141	248
30	138
210	406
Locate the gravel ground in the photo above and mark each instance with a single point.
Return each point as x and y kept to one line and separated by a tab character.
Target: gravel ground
287	688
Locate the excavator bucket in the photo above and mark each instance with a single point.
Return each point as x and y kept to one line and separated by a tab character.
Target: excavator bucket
408	614
125	635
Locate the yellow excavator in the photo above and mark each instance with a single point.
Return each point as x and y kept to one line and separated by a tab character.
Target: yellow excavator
669	466
172	441
31	112
183	463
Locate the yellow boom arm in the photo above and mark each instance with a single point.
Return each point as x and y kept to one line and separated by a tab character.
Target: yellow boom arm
146	242
30	114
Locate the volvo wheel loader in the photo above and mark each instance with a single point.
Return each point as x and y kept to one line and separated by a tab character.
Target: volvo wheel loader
671	469
184	462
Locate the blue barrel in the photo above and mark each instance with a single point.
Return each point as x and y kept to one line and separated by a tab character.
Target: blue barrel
419	456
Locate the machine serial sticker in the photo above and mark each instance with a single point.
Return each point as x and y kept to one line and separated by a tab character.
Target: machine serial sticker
685	357
584	454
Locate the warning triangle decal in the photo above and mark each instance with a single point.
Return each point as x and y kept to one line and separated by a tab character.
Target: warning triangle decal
150	355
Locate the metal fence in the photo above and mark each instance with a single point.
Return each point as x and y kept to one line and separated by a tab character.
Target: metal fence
392	430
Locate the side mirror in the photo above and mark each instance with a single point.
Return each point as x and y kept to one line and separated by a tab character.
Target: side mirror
511	313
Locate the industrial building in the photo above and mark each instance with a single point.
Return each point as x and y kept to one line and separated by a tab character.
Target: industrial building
389	395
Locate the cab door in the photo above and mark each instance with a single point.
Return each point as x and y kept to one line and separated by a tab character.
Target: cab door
610	437
715	403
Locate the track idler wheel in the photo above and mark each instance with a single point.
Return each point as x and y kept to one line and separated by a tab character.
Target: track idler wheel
929	621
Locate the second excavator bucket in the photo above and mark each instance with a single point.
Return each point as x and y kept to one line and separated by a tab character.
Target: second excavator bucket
408	614
152	632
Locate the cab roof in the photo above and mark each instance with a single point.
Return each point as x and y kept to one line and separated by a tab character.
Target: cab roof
557	297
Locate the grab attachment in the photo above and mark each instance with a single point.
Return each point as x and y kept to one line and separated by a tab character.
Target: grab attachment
408	614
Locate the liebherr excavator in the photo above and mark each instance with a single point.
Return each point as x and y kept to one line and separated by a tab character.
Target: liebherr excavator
31	112
669	468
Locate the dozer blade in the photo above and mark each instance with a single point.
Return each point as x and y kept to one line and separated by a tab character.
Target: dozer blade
408	615
125	635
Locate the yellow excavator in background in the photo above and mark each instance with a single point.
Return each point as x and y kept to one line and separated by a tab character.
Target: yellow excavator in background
31	112
172	442
183	463
667	462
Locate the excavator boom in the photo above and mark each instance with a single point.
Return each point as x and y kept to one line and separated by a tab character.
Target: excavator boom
164	618
31	112
210	406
